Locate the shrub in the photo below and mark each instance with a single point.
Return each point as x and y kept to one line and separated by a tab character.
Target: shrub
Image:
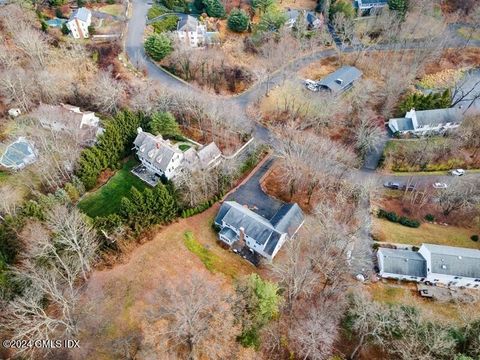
415	248
398	5
158	46
409	222
389	215
474	237
214	8
342	6
238	20
65	29
430	217
58	12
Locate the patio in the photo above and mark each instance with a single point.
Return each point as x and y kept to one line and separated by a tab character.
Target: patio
146	175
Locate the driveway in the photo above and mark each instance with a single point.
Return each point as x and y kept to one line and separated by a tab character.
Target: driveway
252	195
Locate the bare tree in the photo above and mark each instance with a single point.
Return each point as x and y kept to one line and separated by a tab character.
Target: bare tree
469	134
200	321
10	200
462	194
107	93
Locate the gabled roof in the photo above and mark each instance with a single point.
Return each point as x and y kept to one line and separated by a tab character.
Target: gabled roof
187	23
438	117
155	149
340	79
403	262
208	153
82	14
454	261
400	124
287	220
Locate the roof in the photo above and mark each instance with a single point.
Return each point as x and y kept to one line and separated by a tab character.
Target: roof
439	116
208	153
403	262
229	234
341	79
455	261
18	154
82	14
155	149
400	124
292	15
372	2
288	219
187	23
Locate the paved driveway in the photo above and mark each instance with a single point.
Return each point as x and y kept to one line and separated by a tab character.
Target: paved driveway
252	195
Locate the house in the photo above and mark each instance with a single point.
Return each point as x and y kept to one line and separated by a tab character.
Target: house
14	112
164	158
79	22
427	121
18	155
340	80
241	226
370	4
311	19
191	32
68	118
435	264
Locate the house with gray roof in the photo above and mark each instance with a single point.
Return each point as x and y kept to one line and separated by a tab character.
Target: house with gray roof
436	264
191	32
165	158
426	122
340	80
241	226
311	19
79	22
370	4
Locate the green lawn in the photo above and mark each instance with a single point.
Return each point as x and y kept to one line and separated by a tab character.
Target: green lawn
384	230
113	9
106	200
3	176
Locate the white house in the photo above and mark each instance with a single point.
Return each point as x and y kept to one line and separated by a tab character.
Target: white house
191	32
371	4
79	22
69	118
241	226
435	264
163	158
427	121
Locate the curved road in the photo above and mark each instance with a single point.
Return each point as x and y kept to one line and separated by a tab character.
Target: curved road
136	54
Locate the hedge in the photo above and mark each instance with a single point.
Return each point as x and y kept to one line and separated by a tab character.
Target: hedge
393	217
200	208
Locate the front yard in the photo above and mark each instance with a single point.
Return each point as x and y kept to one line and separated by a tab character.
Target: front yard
106	200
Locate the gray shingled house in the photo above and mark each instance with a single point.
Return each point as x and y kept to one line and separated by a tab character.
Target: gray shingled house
340	80
240	225
437	264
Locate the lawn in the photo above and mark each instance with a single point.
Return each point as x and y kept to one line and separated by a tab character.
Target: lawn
113	9
114	301
406	294
106	200
384	230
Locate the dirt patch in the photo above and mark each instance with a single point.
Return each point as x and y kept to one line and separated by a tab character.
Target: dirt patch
317	70
114	301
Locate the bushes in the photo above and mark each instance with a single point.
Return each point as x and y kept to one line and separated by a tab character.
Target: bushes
238	20
158	46
430	217
113	145
393	217
425	102
200	208
341	6
214	8
168	23
474	237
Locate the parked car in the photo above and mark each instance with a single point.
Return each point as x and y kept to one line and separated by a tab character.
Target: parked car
311	85
457	172
392	185
439	185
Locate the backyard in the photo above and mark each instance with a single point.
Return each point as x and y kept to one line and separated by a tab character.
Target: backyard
384	230
106	200
119	297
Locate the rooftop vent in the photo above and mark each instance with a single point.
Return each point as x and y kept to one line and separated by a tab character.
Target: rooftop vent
339	81
444	267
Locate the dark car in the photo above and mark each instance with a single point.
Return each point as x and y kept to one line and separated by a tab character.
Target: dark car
392	185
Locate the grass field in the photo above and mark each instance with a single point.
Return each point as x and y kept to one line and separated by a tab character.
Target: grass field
384	230
106	200
406	294
113	9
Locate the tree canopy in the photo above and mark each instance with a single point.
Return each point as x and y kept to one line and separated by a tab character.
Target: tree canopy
164	123
238	20
214	8
158	46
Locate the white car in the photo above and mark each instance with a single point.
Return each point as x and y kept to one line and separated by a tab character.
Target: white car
438	185
311	85
457	172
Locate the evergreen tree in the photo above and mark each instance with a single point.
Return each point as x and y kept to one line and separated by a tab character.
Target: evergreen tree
262	5
158	46
214	8
65	29
398	5
164	123
430	101
343	6
238	20
272	20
